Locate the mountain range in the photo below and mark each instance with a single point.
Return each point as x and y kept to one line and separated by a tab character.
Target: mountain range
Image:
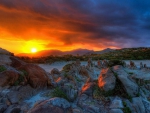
79	52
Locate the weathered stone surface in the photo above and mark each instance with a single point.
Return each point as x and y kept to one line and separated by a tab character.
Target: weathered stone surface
36	76
116	111
13	109
131	87
88	87
16	63
70	91
60	102
55	71
5	59
116	103
46	109
3	107
8	77
13	97
147	105
77	110
138	105
107	80
54	105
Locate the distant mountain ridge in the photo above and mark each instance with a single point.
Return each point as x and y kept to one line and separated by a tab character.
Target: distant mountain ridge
57	53
107	50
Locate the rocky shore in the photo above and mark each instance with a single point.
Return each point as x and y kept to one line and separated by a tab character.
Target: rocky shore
95	88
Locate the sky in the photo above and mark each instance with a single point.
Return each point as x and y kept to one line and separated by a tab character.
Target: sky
71	24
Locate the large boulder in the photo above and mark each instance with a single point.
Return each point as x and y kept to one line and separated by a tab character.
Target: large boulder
131	87
8	77
2	107
55	71
70	91
16	63
5	59
138	105
13	109
36	76
88	87
54	105
107	80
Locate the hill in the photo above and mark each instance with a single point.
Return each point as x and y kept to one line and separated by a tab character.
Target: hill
45	53
107	50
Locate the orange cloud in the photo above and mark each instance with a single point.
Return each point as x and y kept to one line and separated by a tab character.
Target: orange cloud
65	25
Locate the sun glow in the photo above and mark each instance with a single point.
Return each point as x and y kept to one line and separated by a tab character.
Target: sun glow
33	46
33	50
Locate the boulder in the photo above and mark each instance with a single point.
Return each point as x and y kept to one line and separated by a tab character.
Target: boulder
46	109
138	105
131	87
5	59
77	110
13	96
55	71
116	103
116	111
54	105
13	109
59	102
3	107
107	80
16	63
8	77
88	87
36	76
70	91
147	105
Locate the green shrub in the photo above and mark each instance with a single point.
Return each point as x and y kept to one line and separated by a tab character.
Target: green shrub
126	109
59	93
2	68
131	73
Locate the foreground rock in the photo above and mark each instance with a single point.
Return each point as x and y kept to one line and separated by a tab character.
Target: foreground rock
88	87
36	76
54	105
131	88
8	77
107	80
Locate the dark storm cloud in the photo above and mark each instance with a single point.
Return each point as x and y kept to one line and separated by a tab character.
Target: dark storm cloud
124	23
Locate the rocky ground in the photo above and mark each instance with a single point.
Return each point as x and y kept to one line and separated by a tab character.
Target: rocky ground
94	88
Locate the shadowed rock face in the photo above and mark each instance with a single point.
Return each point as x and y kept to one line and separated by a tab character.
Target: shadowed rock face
107	80
130	87
5	60
54	105
16	63
36	76
8	77
88	87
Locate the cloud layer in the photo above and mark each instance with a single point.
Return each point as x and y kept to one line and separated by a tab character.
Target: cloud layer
69	24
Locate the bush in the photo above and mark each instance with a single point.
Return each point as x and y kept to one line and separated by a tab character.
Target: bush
126	109
2	68
115	62
59	93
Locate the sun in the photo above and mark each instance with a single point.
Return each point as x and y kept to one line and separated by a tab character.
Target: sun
33	50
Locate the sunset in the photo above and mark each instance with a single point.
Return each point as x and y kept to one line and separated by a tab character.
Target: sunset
68	25
74	56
